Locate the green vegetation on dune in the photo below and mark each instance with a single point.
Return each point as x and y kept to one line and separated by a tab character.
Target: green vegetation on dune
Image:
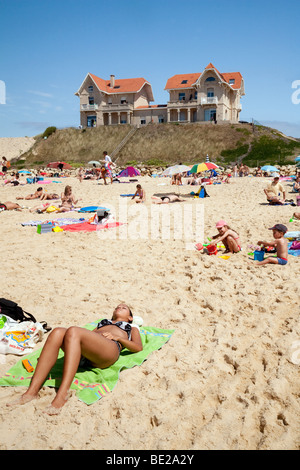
164	144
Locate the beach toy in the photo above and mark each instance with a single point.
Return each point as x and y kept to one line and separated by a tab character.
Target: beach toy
212	249
224	256
44	228
259	255
57	229
27	365
199	246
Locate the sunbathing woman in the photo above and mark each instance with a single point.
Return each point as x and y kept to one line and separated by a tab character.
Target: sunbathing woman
228	236
68	201
46	196
98	348
166	199
36	195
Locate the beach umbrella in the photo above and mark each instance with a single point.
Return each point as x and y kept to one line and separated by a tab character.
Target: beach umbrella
175	169
269	168
25	172
129	171
66	166
297	159
203	167
94	162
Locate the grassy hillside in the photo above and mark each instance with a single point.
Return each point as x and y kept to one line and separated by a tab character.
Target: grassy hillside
165	144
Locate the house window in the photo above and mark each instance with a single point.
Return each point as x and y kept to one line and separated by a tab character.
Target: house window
91	100
161	119
181	96
91	121
90	89
231	81
196	94
210	79
123	100
109	101
143	121
183	82
210	92
210	114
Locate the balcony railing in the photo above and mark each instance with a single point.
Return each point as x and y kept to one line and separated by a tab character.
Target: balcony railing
209	100
117	107
88	107
180	103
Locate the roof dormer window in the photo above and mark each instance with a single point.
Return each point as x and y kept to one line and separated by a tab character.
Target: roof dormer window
90	89
117	86
210	79
231	81
184	82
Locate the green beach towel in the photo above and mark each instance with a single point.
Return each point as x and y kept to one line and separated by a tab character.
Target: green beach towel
91	384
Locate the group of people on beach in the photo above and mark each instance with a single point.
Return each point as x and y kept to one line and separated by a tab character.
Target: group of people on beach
99	172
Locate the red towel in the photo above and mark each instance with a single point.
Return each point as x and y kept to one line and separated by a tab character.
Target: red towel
87	227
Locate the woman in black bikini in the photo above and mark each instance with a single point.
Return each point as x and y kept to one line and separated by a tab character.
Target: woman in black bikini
166	199
99	348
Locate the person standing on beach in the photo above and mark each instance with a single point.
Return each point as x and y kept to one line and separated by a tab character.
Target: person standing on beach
108	164
4	166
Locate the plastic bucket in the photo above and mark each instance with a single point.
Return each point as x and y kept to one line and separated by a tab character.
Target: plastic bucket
259	255
212	249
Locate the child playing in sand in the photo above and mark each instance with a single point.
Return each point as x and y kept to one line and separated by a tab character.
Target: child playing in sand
229	237
140	193
281	245
98	348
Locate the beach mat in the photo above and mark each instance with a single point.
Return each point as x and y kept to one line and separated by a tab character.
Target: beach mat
91	384
126	195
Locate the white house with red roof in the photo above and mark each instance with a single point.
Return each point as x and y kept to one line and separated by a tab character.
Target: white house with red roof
196	97
204	97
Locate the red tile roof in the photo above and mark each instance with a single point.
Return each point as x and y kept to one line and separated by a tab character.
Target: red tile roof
175	82
126	85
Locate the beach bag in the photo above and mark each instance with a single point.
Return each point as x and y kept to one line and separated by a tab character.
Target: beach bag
20	338
13	310
203	193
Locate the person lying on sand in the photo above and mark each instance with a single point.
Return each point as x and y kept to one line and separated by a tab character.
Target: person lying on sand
48	196
9	206
36	195
272	192
229	237
166	199
98	348
281	245
140	193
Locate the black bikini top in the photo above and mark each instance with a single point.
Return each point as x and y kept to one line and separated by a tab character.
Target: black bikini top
124	325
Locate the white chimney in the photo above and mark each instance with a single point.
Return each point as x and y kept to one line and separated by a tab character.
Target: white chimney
112	81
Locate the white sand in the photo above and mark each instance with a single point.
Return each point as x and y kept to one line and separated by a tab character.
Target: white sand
223	381
13	147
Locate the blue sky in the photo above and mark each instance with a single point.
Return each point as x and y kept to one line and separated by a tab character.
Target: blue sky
48	47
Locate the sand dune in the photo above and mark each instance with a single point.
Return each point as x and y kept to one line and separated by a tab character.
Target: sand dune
223	381
13	147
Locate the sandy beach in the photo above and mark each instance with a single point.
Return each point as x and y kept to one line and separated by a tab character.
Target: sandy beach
225	379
